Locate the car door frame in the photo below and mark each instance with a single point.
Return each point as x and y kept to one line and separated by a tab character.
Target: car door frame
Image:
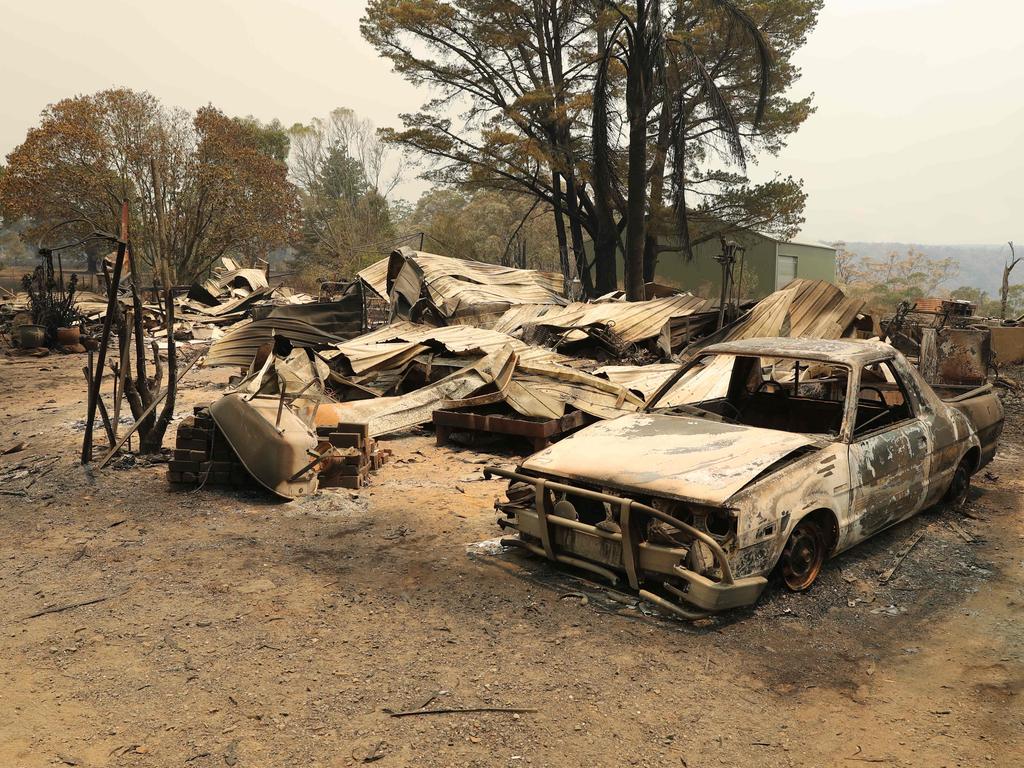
889	466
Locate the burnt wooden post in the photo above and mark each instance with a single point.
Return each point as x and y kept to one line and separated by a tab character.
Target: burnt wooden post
97	379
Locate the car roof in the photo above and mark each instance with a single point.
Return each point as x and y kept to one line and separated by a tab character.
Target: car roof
848	351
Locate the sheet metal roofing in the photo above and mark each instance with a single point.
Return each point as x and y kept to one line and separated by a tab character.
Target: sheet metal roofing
632	321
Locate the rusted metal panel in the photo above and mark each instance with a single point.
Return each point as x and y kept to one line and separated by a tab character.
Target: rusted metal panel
1008	344
539	431
963	356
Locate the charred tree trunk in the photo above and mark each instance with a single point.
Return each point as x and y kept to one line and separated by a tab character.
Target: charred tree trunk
657	194
636	209
572	201
605	234
152	440
640	74
1004	290
556	205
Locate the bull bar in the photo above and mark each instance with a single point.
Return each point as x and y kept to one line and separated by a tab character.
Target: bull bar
626	552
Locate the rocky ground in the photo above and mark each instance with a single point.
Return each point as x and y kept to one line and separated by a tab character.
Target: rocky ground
215	628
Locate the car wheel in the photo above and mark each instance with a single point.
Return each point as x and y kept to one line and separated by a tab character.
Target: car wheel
960	486
803	555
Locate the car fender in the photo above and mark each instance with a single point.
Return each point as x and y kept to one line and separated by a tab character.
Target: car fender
769	508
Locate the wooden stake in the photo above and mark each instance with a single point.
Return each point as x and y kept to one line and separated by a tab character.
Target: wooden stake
97	380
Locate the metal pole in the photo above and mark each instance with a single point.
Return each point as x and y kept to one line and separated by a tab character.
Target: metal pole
721	301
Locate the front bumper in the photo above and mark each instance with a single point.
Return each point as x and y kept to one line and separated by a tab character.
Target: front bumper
608	554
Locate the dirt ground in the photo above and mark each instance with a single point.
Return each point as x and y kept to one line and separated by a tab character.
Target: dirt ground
229	629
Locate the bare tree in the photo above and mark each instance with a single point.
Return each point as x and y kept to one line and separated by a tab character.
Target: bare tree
345	175
1004	291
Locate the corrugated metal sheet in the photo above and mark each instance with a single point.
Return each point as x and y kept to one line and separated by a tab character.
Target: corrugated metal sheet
631	321
813	309
253	279
376	277
228	307
533	389
805	308
239	345
644	379
395	345
342	318
461	288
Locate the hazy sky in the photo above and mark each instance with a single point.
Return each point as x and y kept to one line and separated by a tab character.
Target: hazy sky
919	134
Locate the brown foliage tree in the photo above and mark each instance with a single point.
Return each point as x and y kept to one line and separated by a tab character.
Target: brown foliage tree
199	186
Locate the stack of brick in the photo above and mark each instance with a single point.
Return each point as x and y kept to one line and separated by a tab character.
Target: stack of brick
355	455
203	457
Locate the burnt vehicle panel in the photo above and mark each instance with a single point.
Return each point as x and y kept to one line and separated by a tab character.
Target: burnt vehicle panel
756	455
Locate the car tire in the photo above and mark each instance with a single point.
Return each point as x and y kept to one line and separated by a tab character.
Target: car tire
959	486
803	555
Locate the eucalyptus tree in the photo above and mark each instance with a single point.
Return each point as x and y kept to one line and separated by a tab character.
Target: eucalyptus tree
609	112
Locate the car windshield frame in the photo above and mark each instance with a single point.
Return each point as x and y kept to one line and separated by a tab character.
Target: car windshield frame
841	435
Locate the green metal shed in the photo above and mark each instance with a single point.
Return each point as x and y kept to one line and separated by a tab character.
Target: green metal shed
768	264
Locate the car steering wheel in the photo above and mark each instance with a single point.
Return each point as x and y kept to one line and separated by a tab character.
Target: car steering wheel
737	413
733	419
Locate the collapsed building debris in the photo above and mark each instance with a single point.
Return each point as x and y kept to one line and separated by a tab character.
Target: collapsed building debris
498	379
442	290
949	344
667	324
242	344
466	347
533	388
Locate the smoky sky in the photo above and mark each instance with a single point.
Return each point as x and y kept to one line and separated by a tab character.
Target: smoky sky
918	134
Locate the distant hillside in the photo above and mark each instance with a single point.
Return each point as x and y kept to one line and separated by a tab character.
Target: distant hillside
981	266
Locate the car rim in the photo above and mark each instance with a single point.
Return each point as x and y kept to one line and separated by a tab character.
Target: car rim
803	556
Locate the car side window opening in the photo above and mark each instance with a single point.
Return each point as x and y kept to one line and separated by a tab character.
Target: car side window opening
881	400
785	394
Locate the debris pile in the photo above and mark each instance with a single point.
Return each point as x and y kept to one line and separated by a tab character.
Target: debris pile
350	455
440	290
419	339
469	348
951	346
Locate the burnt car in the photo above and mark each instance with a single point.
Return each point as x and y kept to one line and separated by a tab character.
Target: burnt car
756	456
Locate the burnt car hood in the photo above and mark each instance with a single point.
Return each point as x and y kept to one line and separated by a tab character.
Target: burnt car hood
677	457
